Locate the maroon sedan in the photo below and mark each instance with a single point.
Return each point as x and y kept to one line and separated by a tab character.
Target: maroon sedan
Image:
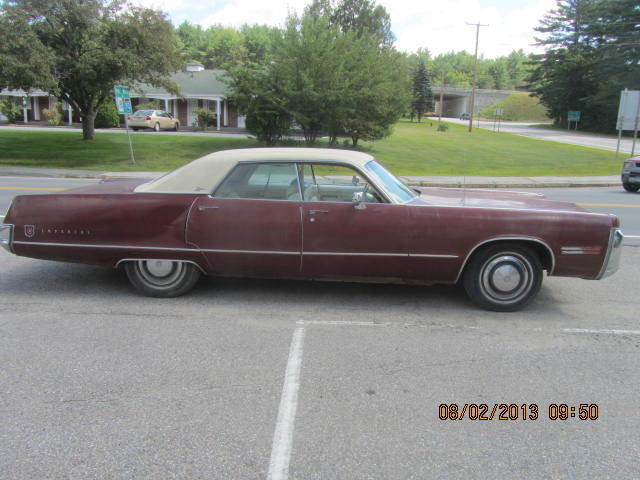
316	214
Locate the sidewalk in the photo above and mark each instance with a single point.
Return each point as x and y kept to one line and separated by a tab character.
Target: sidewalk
473	182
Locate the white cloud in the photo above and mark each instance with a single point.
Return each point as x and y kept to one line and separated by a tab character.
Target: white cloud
439	25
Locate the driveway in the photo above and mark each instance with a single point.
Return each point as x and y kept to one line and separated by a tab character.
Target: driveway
563	136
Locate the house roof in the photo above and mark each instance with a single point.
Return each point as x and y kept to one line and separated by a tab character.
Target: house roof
204	174
203	84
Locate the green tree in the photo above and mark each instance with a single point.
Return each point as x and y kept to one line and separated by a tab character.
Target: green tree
422	94
78	49
591	54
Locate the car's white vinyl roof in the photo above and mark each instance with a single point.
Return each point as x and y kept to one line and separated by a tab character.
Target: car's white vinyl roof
205	173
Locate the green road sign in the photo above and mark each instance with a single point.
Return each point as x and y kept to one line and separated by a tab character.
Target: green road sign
574	115
123	100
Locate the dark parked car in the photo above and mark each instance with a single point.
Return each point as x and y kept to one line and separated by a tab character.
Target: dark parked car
465	116
316	214
631	174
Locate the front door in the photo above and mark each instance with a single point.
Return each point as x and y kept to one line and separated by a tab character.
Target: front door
342	241
252	225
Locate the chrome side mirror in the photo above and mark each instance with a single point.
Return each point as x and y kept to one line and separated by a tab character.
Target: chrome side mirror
358	201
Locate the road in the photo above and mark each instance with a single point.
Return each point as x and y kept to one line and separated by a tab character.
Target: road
563	136
243	378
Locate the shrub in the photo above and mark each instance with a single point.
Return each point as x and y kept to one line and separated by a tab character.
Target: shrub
53	116
148	105
443	127
205	118
11	109
107	115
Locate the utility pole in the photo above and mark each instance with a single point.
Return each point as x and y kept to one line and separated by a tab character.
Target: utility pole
475	73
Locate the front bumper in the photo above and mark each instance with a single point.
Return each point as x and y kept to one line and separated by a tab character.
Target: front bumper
6	236
614	251
630	177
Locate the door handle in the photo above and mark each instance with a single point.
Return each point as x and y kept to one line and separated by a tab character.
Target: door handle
314	212
202	208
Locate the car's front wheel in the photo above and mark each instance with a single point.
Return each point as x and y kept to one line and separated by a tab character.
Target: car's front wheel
630	187
162	278
176	127
503	278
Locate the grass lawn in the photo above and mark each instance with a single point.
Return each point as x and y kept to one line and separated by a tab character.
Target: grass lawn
419	149
109	151
413	149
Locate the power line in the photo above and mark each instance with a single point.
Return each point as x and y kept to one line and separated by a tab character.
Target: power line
475	72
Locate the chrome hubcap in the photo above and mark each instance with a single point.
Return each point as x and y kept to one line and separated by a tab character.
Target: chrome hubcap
506	277
160	272
159	268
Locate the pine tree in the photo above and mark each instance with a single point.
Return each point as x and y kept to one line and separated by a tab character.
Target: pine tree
422	93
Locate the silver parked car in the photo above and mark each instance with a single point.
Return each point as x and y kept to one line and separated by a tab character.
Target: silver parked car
631	174
154	119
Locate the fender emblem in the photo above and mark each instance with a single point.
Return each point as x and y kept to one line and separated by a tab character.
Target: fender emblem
29	231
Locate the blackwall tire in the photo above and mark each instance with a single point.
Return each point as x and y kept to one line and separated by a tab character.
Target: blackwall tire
156	127
503	278
176	127
162	278
630	187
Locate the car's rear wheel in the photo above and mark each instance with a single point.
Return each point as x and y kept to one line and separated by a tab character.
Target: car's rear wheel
630	187
503	278
135	129
156	127
162	278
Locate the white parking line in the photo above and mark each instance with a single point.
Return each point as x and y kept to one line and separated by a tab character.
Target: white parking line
283	435
606	332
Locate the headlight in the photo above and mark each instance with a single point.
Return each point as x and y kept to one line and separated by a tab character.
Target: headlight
6	236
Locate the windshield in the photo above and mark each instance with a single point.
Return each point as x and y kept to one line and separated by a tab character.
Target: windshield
399	192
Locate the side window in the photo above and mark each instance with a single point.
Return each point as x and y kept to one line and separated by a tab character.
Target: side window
269	181
335	183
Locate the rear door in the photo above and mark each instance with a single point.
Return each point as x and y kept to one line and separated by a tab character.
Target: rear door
252	225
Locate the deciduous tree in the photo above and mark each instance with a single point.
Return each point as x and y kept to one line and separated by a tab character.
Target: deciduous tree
78	49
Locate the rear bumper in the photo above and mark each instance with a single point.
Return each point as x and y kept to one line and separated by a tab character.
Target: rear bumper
612	258
139	124
6	236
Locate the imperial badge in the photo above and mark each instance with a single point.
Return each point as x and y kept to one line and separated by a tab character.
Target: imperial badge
29	231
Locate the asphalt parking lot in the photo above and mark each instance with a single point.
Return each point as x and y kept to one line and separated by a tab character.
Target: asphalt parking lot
98	382
249	379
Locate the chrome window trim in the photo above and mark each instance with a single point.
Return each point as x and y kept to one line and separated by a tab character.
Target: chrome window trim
297	163
500	239
11	228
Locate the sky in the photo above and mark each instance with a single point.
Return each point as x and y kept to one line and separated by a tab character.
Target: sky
439	25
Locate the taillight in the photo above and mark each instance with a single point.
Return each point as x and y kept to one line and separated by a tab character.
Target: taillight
148	118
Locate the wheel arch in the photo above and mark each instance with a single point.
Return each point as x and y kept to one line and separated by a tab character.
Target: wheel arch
544	251
121	262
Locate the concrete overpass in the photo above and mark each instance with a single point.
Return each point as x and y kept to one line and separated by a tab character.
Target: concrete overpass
457	100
